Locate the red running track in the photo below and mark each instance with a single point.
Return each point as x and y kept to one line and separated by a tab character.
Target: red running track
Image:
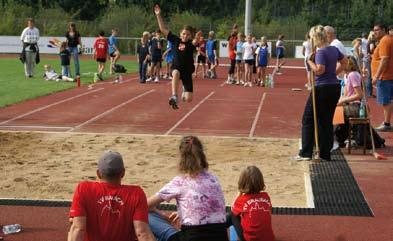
217	110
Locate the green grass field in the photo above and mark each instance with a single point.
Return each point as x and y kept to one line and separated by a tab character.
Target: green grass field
15	88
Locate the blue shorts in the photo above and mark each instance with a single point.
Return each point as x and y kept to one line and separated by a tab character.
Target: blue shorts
169	58
384	91
211	59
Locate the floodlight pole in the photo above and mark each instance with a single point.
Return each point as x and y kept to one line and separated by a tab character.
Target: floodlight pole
247	20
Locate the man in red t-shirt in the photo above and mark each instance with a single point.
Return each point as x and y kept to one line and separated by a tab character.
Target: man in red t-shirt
101	46
232	40
108	210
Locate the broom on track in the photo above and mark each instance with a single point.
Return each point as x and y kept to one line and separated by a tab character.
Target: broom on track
314	106
377	155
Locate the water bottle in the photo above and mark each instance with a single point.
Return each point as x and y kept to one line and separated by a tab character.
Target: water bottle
362	110
12	228
267	84
271	81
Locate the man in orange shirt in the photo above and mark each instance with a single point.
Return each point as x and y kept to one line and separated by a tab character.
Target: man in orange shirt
382	73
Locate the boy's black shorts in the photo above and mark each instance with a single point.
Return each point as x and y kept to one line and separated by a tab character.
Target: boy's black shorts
101	60
186	77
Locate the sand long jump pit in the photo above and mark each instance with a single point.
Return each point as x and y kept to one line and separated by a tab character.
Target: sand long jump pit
36	165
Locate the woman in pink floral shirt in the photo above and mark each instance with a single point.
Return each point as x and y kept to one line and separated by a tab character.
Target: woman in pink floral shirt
199	198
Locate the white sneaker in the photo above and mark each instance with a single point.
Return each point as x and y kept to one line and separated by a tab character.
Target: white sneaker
156	80
335	146
149	79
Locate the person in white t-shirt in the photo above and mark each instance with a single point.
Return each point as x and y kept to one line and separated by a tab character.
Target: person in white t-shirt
333	41
307	49
29	38
248	57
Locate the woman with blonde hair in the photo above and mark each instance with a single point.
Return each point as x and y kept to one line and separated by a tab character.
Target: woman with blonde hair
327	93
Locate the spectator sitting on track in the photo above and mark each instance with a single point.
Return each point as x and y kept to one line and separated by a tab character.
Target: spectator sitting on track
351	99
251	213
108	210
199	198
50	74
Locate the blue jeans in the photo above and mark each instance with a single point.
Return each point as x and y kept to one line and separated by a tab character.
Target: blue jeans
160	227
65	70
142	71
75	55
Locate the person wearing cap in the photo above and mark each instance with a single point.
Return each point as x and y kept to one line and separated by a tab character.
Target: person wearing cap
108	210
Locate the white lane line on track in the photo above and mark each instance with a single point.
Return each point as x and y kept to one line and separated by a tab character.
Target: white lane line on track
254	124
188	114
97	117
48	106
36	127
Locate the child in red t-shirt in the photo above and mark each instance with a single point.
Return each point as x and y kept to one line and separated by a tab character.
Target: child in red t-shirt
100	52
253	207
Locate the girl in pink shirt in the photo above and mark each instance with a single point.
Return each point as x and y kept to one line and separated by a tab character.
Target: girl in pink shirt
199	198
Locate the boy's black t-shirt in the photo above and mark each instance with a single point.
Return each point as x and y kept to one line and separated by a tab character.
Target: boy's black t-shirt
65	57
183	57
142	51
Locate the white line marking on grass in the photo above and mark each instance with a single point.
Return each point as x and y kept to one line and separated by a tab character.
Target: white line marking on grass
37	127
188	114
110	110
308	189
254	124
48	106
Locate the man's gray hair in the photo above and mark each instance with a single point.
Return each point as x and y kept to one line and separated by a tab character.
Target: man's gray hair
329	29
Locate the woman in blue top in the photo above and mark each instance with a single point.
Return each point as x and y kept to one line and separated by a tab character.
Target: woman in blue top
327	93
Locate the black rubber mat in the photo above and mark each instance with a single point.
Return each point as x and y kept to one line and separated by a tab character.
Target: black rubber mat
334	187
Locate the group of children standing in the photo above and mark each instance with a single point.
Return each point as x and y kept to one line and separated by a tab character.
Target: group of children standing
247	58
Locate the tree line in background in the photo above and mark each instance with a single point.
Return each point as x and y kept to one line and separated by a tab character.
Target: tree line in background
270	17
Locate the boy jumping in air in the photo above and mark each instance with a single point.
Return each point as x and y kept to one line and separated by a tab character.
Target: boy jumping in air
183	61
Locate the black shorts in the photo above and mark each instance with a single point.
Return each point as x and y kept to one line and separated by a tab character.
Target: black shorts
156	59
249	61
238	61
112	55
101	60
186	77
201	59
